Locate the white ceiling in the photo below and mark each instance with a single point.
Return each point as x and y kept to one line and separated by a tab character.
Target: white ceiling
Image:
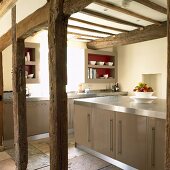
25	8
141	9
133	6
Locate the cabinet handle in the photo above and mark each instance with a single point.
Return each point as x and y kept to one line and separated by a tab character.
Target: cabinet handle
88	119
153	147
120	137
111	135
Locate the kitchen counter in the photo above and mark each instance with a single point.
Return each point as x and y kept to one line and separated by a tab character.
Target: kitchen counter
30	99
75	95
124	104
98	93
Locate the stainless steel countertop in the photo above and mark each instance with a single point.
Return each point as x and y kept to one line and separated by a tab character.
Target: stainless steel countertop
157	109
95	94
74	96
30	99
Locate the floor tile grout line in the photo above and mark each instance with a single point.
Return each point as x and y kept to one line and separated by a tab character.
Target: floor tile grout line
42	167
38	150
104	167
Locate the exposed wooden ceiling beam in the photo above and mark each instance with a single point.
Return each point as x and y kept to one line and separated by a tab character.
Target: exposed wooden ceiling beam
73	6
97	25
152	5
84	35
148	33
5	5
125	11
89	30
109	18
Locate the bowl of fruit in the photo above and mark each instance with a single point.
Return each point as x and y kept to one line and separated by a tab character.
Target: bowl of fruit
142	90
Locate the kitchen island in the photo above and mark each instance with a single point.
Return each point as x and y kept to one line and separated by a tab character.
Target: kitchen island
127	134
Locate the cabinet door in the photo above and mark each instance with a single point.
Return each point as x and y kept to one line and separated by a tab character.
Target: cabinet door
104	132
8	121
131	140
37	117
82	125
156	144
70	110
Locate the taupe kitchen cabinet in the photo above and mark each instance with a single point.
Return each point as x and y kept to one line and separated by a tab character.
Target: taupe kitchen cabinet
131	136
37	117
8	120
70	110
83	125
156	143
103	123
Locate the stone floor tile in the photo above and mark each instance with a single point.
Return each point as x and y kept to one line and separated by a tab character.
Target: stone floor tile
86	162
74	152
38	161
7	164
4	155
42	145
31	151
110	167
71	139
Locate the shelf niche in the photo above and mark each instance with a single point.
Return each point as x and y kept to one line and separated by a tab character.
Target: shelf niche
96	72
32	57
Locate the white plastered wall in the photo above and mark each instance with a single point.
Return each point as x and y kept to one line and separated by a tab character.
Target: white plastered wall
148	57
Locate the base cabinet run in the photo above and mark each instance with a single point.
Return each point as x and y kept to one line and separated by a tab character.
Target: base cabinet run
70	112
156	144
82	124
131	140
103	122
135	140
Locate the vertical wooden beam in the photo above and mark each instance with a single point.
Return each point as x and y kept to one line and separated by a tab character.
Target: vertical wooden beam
167	157
19	98
58	80
1	102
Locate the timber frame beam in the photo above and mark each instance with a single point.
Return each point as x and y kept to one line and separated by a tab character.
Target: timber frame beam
152	5
1	103
57	38
109	18
167	155
27	26
97	25
73	6
148	33
39	19
19	98
125	11
5	5
89	30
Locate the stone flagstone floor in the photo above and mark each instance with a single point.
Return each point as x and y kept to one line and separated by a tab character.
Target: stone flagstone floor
39	158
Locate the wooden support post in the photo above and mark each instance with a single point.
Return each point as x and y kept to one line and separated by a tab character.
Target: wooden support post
58	80
167	157
19	99
1	102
